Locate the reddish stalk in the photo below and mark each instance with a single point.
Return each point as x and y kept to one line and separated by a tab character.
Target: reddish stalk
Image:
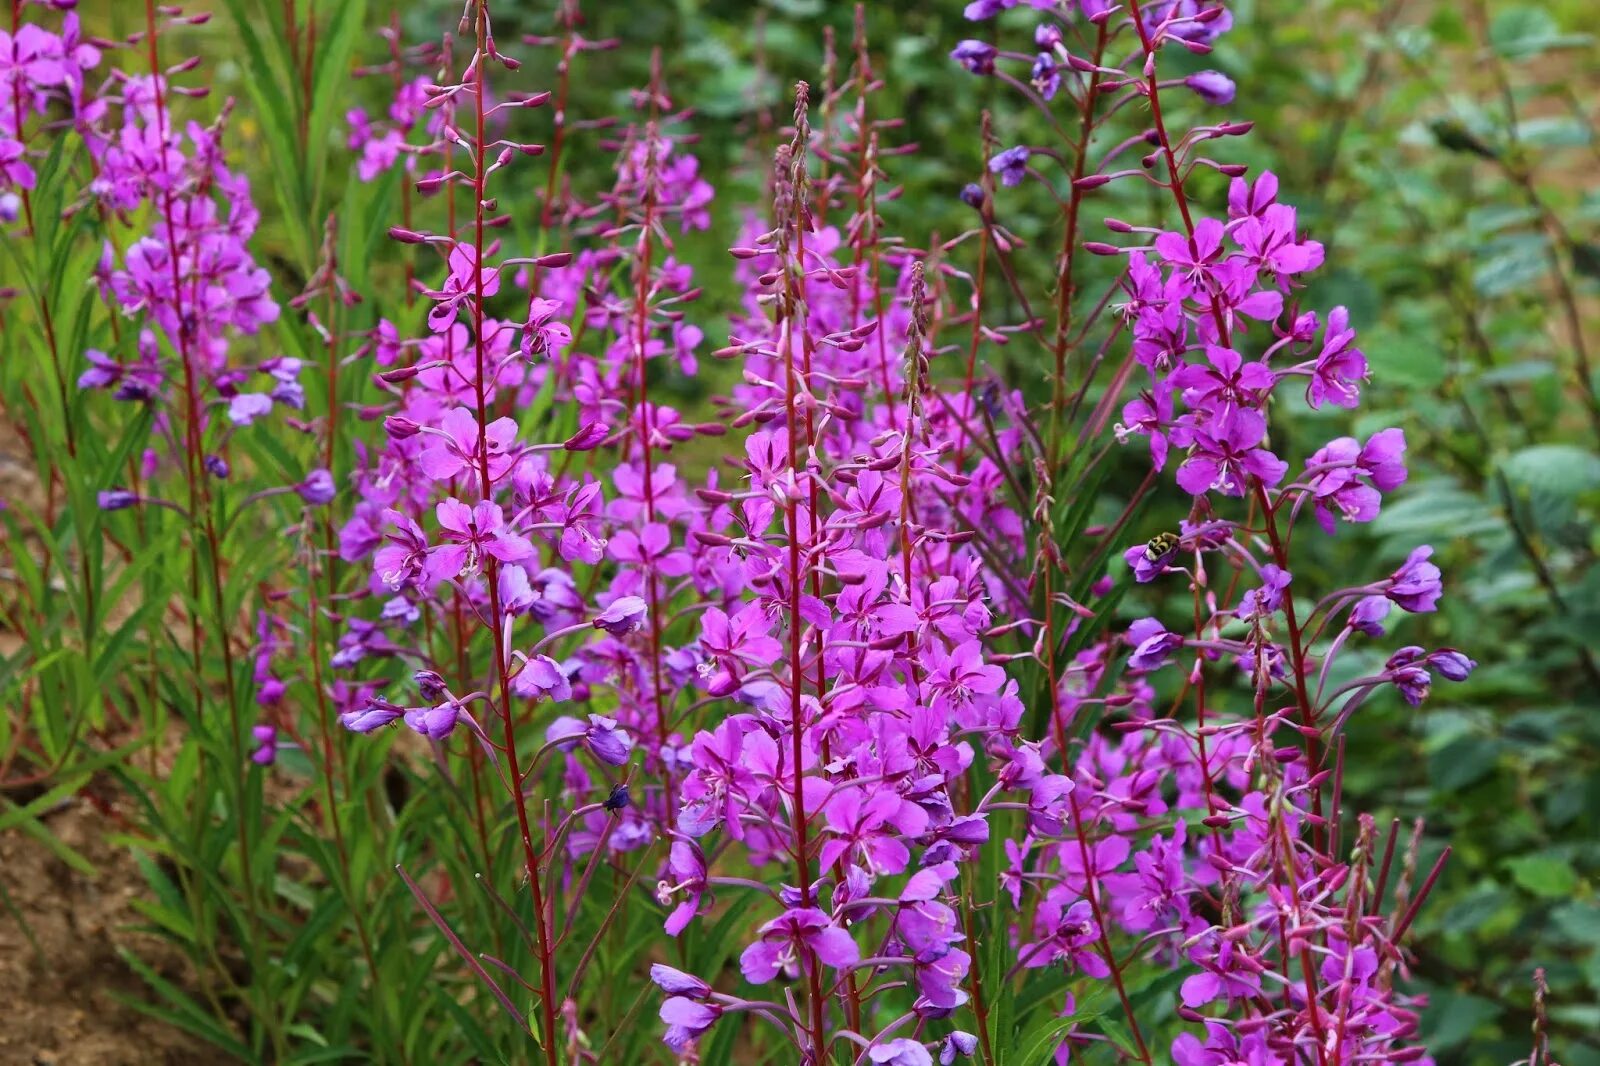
790	318
641	310
502	706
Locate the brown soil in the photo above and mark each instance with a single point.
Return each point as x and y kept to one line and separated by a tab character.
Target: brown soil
62	1008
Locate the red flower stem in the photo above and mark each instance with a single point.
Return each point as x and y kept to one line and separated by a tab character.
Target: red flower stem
542	931
641	323
1066	288
791	266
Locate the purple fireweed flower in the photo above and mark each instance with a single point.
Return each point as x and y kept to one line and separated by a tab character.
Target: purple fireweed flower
541	677
1416	587
976	56
457	451
736	645
435	723
266	738
461	285
1046	76
687	1020
1226	383
403	559
677	983
246	407
376	713
686	874
1011	165
957	1043
1195	258
542	332
471	533
956	679
1268	598
626	614
1352	478
867	826
1228	971
606	742
901	1051
1152	644
1067	933
1368	614
1226	453
1339	366
783	941
1451	664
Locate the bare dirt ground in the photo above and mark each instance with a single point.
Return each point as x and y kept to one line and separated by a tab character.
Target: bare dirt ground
61	989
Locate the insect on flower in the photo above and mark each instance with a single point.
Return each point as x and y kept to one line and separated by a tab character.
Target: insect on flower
1160	546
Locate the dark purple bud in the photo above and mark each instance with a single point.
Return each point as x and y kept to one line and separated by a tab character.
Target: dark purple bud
400	427
218	467
430	685
1212	86
972	195
116	499
399	374
587	438
1451	664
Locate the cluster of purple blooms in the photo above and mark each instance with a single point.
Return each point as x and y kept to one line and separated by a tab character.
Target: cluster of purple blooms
189	285
840	675
793	664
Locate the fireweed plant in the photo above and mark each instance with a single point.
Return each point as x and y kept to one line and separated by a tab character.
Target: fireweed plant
858	707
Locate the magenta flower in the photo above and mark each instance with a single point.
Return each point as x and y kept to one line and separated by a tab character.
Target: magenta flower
461	285
1228	382
376	713
318	488
541	677
470	534
1067	933
785	940
868	826
1152	644
626	614
1352	478
687	1020
1196	257
736	645
686	874
456	450
1226	453
957	679
1339	367
542	332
